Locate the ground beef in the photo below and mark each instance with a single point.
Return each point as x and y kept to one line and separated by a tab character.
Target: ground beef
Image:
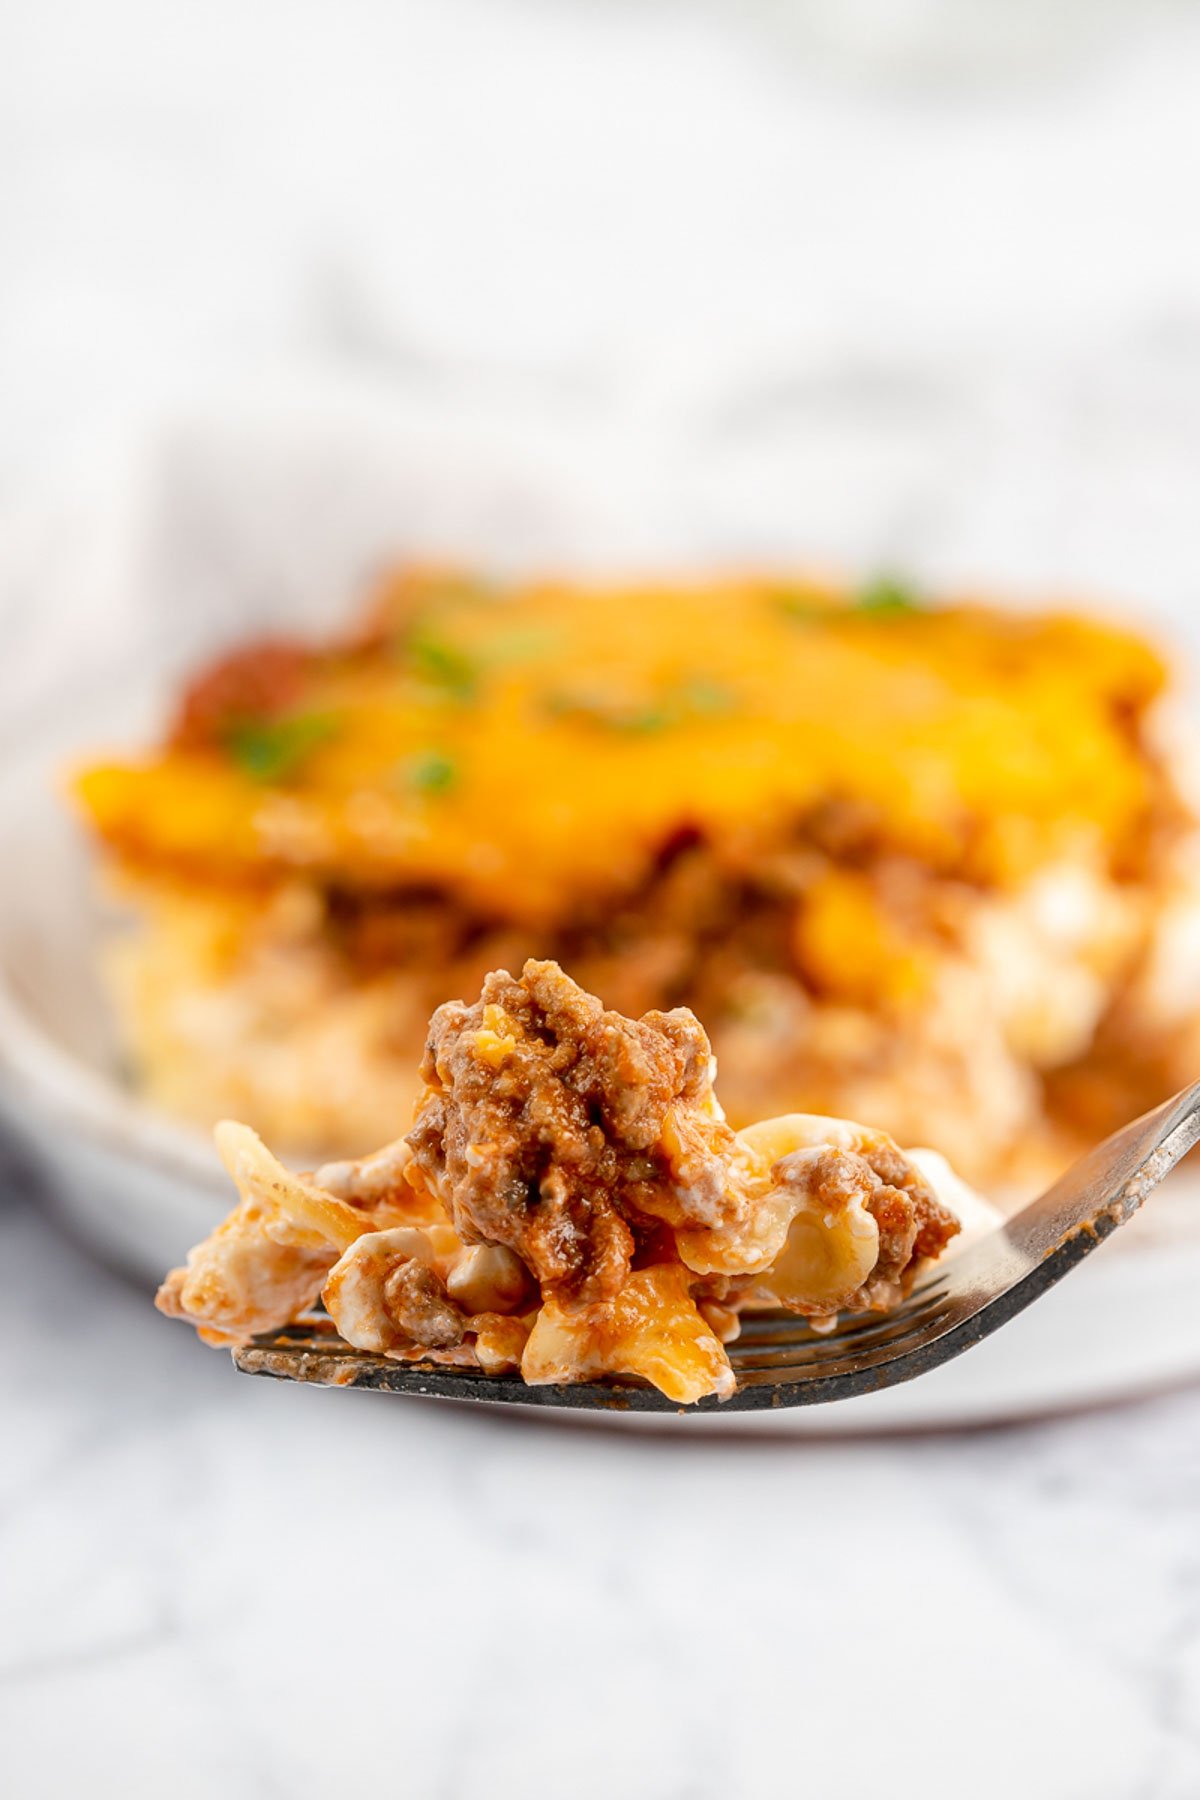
416	1298
912	1223
553	1127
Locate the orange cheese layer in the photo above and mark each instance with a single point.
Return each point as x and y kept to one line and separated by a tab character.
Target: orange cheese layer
530	746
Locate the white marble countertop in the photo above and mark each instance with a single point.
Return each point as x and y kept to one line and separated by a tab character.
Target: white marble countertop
219	1586
806	279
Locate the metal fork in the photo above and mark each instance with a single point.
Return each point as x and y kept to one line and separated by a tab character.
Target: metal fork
778	1361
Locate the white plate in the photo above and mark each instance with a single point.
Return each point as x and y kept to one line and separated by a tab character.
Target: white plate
141	1188
232	535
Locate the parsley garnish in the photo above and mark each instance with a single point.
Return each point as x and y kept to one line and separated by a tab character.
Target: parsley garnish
882	597
432	772
273	749
458	672
697	698
887	595
443	664
705	698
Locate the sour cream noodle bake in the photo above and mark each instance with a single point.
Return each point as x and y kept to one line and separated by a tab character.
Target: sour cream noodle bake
569	1202
924	864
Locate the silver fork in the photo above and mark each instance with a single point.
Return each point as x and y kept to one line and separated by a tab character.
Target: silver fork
778	1361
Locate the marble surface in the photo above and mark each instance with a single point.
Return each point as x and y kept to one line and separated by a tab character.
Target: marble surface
866	283
213	1585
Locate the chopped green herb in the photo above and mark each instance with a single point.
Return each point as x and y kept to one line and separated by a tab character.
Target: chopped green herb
456	670
609	714
643	721
706	698
698	698
443	664
432	772
887	595
275	749
877	599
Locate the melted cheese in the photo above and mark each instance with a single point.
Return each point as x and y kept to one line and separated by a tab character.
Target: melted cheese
554	739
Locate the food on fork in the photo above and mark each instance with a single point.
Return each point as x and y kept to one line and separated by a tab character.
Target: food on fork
923	864
569	1202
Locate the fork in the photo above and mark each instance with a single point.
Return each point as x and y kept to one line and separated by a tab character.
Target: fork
777	1359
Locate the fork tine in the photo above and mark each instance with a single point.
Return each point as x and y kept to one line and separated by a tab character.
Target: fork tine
1008	1270
1107	1185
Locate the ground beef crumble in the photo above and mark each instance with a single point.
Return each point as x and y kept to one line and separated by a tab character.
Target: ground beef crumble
416	1298
554	1127
913	1224
582	1140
